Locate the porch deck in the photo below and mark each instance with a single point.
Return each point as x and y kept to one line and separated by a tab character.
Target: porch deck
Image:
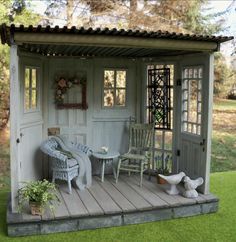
109	204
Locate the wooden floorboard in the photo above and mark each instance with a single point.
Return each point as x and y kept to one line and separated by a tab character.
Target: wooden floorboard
149	196
199	199
138	201
116	195
26	216
60	211
179	198
73	202
90	202
104	199
153	187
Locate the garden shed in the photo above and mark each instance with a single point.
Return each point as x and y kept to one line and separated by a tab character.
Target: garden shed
115	77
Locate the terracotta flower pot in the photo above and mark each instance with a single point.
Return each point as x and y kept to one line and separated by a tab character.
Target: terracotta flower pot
160	180
36	208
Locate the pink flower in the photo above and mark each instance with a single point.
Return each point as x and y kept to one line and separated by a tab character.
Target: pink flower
62	83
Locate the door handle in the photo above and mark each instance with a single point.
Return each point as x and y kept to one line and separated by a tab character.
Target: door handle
202	143
17	140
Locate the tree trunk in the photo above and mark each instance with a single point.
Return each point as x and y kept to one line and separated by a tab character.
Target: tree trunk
69	12
132	13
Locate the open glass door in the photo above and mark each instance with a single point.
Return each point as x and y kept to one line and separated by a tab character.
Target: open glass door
191	137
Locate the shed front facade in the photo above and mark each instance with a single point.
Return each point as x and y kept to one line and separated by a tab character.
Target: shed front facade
116	77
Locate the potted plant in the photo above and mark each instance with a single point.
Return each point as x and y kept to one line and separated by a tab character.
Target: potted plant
39	194
164	169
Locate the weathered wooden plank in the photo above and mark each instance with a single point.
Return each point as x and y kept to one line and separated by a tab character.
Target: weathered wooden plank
153	187
198	199
148	216
115	194
103	199
179	198
138	201
100	222
26	214
210	207
89	202
209	197
12	217
186	211
73	202
149	196
60	210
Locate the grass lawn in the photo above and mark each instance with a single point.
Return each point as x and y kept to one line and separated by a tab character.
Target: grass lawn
215	227
224	136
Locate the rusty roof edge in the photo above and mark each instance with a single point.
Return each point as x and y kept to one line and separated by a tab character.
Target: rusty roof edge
10	30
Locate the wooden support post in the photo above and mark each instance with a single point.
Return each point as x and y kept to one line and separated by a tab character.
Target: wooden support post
14	124
208	93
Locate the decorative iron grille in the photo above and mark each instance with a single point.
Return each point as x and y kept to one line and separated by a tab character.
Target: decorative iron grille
159	103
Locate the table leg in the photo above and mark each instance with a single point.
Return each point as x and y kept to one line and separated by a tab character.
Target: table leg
103	170
114	169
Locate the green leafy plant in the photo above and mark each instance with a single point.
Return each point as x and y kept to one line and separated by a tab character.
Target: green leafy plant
43	193
164	167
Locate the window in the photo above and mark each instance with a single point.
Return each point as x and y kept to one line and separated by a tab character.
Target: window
114	88
157	94
31	89
192	100
159	97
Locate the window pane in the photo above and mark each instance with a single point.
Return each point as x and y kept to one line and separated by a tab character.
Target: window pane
33	99
120	97
109	79
108	98
190	71
186	73
27	77
158	139
200	72
168	140
121	79
193	101
34	77
26	99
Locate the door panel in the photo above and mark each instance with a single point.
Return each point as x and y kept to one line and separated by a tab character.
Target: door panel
191	125
31	156
31	123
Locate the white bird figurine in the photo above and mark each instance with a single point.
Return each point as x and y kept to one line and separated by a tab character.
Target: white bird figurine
173	180
190	187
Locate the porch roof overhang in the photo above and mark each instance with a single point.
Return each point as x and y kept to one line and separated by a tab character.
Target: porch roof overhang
106	42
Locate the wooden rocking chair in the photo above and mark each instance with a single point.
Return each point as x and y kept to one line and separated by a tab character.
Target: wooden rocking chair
138	157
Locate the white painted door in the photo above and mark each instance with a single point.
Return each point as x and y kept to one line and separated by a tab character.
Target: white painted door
192	118
31	121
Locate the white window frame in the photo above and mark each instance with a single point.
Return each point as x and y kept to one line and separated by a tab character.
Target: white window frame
37	89
198	102
114	88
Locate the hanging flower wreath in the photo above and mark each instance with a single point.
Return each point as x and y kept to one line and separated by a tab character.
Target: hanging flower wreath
62	85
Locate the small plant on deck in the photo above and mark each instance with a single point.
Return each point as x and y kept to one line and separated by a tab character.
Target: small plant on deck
164	168
39	194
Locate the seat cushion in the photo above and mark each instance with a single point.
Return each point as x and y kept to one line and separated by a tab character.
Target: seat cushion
133	156
72	162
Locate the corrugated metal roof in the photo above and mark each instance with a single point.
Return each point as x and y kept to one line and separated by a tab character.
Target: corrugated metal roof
116	50
7	33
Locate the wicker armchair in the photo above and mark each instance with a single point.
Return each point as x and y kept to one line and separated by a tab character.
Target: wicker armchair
64	166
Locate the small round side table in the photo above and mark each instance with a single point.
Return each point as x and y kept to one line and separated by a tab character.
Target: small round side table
105	158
